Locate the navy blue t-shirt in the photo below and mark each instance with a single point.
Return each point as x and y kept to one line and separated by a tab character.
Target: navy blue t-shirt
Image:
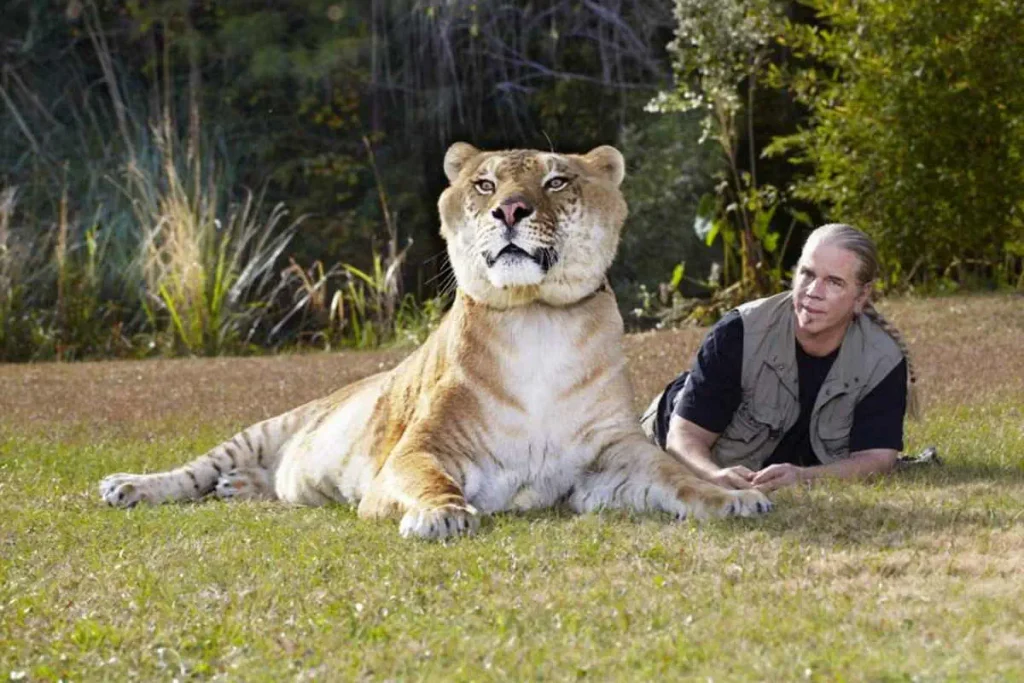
713	393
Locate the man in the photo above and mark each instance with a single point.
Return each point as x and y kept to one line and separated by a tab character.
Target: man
805	384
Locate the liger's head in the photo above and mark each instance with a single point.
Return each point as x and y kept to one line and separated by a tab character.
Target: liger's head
527	226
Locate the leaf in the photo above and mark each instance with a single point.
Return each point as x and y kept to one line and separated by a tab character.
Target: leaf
708	206
703	222
677	275
762	222
801	217
702	226
729	236
365	277
1014	248
716	227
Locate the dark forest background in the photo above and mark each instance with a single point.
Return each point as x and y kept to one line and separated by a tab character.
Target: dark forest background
187	177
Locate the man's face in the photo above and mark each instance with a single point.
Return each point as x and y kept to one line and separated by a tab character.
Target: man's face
826	293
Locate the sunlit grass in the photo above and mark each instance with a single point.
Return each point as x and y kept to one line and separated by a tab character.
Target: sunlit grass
913	576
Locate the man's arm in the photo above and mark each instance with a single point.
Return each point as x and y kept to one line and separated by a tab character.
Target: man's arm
875	439
707	403
859	465
691	443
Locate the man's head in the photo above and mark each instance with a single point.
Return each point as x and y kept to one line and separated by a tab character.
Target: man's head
833	280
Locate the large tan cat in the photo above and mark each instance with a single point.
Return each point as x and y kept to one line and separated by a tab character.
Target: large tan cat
519	400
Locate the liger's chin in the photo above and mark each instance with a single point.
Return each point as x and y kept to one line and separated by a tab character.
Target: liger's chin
509	273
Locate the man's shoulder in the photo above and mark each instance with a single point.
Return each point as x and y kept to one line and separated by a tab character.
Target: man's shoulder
765	303
764	313
726	333
879	340
731	321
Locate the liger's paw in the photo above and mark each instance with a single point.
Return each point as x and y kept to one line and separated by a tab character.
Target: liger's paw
243	484
440	522
686	509
746	503
126	490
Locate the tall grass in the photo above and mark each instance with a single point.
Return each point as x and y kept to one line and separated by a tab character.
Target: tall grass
51	303
346	307
360	308
128	235
192	276
377	316
207	263
12	286
199	274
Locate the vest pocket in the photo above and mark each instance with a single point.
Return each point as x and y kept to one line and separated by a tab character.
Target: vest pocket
835	437
834	422
745	436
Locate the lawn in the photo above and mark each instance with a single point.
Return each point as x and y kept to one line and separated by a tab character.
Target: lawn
917	576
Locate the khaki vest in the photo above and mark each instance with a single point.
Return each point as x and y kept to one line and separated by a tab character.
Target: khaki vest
770	405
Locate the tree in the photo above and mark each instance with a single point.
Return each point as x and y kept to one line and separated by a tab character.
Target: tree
721	50
916	132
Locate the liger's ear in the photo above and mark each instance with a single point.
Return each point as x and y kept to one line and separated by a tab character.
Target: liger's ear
456	157
607	161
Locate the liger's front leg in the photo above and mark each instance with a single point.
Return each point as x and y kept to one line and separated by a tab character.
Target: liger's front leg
632	473
414	484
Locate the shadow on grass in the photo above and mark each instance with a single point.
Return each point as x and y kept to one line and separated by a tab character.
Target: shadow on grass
951	473
888	526
912	507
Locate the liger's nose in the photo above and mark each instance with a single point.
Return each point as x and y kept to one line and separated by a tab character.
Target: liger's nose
512	210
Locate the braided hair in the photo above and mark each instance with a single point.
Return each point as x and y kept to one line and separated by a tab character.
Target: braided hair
860	245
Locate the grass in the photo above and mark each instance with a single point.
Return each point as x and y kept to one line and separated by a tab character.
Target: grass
913	577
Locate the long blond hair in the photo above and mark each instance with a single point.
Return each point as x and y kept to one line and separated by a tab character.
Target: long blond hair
860	245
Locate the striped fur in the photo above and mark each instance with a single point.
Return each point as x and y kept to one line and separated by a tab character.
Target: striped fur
520	399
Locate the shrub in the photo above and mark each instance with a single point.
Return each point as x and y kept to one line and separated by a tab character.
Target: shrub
916	132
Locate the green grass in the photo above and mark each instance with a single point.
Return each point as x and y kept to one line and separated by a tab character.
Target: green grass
913	577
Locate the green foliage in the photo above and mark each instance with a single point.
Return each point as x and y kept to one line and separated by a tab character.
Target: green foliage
667	173
85	323
416	319
375	318
729	287
916	132
19	324
52	298
718	47
370	302
721	49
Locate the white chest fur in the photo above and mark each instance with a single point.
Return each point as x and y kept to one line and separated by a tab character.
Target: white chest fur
556	368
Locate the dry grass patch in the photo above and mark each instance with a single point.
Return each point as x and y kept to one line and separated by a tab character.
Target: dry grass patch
965	347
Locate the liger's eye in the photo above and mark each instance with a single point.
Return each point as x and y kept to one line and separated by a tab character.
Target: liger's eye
556	183
484	186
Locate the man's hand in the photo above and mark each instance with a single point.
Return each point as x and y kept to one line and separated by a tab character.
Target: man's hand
776	476
738	477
